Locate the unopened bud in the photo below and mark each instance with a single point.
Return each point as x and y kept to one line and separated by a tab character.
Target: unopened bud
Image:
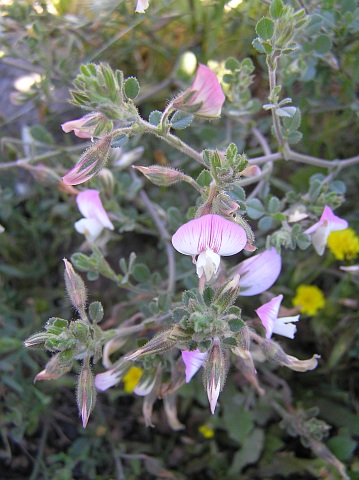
162	342
75	288
215	372
86	393
37	339
251	171
90	163
224	205
227	295
53	370
162	176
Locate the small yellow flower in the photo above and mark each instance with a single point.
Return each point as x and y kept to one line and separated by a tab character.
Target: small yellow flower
344	244
206	430
309	298
131	379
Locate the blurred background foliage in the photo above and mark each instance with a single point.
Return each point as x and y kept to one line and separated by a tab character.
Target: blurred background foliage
42	45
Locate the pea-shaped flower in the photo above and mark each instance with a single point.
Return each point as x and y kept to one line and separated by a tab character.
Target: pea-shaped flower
209	237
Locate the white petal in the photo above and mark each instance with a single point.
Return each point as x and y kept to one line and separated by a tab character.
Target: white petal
90	205
207	263
283	326
89	227
193	361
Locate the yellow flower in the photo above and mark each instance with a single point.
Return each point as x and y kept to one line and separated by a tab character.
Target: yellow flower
206	430
309	298
131	379
344	244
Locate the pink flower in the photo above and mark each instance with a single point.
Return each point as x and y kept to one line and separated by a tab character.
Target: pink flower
268	313
258	273
141	6
320	231
96	218
215	373
209	237
193	360
205	97
82	127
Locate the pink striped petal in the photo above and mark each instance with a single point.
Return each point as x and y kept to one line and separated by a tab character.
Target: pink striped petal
211	232
193	360
320	231
90	205
258	273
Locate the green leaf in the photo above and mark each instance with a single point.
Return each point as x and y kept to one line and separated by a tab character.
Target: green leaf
285	111
255	208
265	223
131	88
274	205
236	324
181	120
141	272
294	137
249	453
265	28
258	45
342	446
204	178
232	64
96	311
276	9
155	117
231	152
303	241
119	141
41	134
322	44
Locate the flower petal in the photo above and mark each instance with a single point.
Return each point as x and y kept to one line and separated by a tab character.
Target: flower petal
268	313
90	205
208	92
209	232
193	360
320	231
284	326
89	227
258	273
207	263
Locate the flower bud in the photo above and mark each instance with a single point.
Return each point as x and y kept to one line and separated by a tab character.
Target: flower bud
53	370
75	287
161	342
90	163
215	372
86	393
162	176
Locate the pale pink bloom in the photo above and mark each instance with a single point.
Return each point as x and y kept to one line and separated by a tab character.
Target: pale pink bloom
96	218
141	6
354	269
251	171
111	377
268	313
258	273
209	237
193	360
82	127
205	97
320	231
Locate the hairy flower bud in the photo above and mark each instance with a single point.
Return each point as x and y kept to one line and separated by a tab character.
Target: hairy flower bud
53	370
90	163
75	287
215	372
86	393
162	176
